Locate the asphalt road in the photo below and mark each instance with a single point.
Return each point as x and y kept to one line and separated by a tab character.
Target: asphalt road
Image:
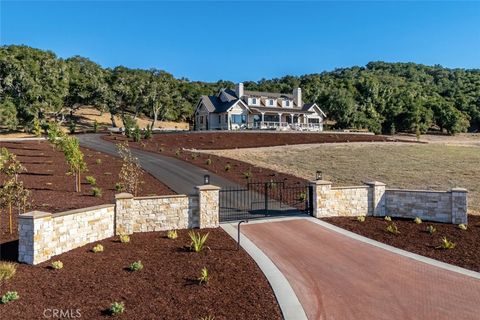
180	176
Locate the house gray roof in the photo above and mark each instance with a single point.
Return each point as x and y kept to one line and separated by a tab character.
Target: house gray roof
268	94
214	104
282	110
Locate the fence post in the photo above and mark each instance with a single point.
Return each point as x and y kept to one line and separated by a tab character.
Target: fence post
321	194
378	198
208	206
35	232
459	205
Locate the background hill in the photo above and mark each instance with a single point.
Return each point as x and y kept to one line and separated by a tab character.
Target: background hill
36	85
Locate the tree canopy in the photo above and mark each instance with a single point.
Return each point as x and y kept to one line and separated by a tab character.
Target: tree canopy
382	97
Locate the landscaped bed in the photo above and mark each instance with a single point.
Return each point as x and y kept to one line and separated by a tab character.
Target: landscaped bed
415	238
234	140
52	190
166	288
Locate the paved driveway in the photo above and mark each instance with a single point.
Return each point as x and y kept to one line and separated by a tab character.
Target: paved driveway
337	277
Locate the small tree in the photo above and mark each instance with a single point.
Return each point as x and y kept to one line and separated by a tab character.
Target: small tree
131	173
55	135
74	157
13	193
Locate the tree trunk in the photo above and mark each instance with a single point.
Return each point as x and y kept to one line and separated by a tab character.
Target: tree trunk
112	119
155	115
10	217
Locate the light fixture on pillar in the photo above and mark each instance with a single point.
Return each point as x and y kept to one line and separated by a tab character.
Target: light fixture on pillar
206	179
319	175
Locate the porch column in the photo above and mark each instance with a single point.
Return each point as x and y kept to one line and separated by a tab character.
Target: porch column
228	121
263	120
291	118
280	119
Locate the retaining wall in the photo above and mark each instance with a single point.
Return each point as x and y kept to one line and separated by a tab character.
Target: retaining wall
375	200
43	235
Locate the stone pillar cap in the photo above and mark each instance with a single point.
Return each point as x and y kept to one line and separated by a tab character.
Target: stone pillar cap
34	215
374	183
320	182
124	195
458	190
207	187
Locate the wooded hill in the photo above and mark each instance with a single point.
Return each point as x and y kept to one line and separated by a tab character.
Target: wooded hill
382	97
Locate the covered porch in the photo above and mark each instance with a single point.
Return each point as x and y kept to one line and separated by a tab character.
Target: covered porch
283	120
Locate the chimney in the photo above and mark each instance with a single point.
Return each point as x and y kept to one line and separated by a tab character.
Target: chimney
239	89
297	97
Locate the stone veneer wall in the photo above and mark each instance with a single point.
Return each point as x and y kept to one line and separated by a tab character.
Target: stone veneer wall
43	235
374	199
350	201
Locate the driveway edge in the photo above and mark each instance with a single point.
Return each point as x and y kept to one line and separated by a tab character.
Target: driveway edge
286	297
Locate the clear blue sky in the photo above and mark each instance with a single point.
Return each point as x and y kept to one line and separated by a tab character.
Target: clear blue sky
251	40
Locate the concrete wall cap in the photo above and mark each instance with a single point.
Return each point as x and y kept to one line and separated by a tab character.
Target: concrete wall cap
207	187
123	195
458	190
375	183
321	182
34	215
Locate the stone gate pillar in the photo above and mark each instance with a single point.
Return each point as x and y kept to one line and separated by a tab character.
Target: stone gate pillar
321	194
378	198
35	234
459	205
209	207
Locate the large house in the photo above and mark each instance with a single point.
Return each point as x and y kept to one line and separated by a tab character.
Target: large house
244	109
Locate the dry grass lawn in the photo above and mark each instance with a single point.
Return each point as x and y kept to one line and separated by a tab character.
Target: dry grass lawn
427	166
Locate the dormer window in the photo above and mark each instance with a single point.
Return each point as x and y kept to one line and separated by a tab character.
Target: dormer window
254	100
270	102
287	103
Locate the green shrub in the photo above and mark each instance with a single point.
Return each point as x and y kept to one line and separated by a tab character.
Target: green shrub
137	136
198	241
463	226
172	234
124	238
97	192
97	248
194	156
136	266
361	218
207	318
446	244
302	197
208	162
417	220
10	296
387	218
57	265
228	167
91	180
148	133
98	161
7	270
161	149
117	308
431	229
95	126
392	228
204	276
177	152
248	174
118	187
72	126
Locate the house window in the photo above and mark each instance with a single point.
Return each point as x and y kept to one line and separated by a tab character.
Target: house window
219	119
226	118
238	118
254	100
287	103
270	102
201	119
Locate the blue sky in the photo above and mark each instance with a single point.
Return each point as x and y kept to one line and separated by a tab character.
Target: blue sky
241	41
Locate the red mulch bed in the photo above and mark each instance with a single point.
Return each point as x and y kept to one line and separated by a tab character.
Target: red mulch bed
414	238
166	288
54	191
234	140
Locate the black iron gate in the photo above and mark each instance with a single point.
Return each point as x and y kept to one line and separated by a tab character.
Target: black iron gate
264	199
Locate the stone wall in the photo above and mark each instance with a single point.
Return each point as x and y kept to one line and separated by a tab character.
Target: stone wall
374	199
43	235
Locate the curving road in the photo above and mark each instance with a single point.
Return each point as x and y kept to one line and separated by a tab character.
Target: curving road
180	176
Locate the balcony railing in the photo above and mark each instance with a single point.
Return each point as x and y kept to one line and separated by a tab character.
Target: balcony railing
284	126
